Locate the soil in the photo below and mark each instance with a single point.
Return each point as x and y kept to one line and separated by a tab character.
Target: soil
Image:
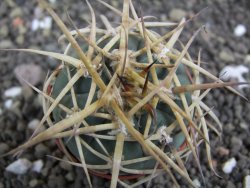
220	47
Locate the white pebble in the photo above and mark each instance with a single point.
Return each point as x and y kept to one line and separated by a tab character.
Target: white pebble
37	166
35	25
234	72
13	91
196	183
45	23
229	165
8	103
246	183
240	30
21	166
33	124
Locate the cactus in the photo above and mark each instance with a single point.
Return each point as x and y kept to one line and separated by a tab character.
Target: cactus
124	102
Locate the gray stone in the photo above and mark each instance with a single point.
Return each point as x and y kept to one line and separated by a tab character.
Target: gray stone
3	148
33	183
29	72
177	14
20	39
247	59
6	44
70	176
16	12
4	31
246	183
65	165
41	150
226	56
230	185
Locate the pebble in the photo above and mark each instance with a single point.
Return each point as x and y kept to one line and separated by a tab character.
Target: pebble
28	92
30	72
4	148
236	142
4	31
41	150
230	184
65	165
13	92
243	125
33	183
196	183
226	56
16	12
223	151
177	14
37	166
70	176
234	72
240	30
8	103
20	166
229	165
45	23
247	59
4	44
1	111
20	39
33	124
246	183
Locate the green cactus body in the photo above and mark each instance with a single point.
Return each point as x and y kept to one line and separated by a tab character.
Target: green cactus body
132	149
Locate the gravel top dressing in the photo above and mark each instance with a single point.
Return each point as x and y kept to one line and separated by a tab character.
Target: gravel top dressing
225	52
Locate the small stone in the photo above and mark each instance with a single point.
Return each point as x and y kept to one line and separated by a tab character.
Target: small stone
234	73
52	1
65	165
226	56
16	12
243	125
33	183
21	166
29	72
20	39
229	165
8	103
70	176
4	44
246	182
177	14
240	30
45	23
1	111
38	12
196	183
236	144
41	150
33	124
13	92
37	166
247	59
230	184
1	185
223	151
21	126
4	148
27	90
4	31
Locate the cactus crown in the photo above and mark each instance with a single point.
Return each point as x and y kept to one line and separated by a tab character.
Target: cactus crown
125	101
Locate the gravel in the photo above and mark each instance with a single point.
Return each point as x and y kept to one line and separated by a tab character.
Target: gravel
220	47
